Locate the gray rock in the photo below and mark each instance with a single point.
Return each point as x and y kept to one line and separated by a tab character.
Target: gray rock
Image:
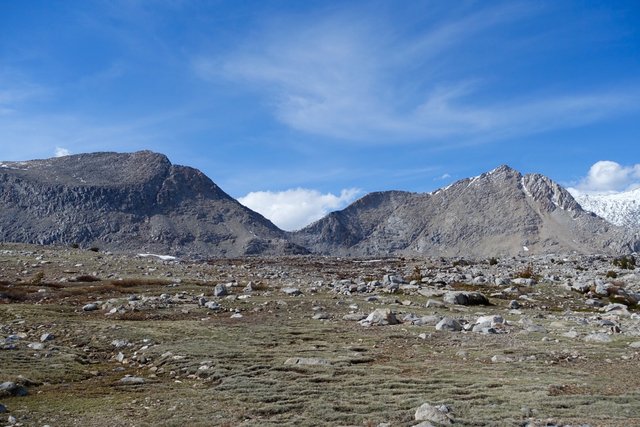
354	317
36	346
465	298
514	304
449	324
521	281
3	409
321	316
306	361
212	305
90	307
129	380
591	302
582	287
220	290
46	337
292	291
501	358
434	304
381	317
635	344
437	414
10	388
120	343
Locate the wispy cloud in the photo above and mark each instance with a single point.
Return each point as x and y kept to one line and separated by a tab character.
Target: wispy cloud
293	209
352	79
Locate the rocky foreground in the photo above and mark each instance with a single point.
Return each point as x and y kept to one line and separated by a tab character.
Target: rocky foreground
90	338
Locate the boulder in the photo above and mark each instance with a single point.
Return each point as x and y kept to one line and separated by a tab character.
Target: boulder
465	298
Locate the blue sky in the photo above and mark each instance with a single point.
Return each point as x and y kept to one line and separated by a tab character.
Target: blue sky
299	107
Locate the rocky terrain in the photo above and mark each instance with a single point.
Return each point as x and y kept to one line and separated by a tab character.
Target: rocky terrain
99	339
129	202
501	212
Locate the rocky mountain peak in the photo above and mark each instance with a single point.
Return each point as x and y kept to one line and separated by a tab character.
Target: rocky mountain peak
129	201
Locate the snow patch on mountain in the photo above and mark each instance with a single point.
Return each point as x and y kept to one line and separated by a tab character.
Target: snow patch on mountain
621	209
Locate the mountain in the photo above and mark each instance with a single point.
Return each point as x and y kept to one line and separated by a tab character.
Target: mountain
129	202
622	209
501	212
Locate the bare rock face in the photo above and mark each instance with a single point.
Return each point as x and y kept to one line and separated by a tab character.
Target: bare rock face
498	213
137	202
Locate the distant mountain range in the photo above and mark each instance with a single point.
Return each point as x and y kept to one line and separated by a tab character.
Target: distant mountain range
141	202
621	209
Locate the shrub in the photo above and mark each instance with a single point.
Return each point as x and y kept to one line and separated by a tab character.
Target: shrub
526	273
493	261
612	274
625	262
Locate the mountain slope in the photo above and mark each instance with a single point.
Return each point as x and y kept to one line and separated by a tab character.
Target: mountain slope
137	202
498	213
622	209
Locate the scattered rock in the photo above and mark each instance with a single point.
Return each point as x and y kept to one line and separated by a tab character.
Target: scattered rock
46	337
380	317
36	346
220	290
306	361
437	414
130	380
292	292
90	307
501	358
465	298
449	324
10	388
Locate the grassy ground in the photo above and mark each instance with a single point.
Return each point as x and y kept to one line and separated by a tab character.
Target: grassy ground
203	368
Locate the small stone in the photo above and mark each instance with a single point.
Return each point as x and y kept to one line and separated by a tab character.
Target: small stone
46	337
321	316
449	324
120	343
292	292
12	420
10	388
306	361
437	414
120	357
514	305
354	317
220	290
212	305
381	317
236	316
90	307
36	346
501	358
434	304
465	298
635	344
128	380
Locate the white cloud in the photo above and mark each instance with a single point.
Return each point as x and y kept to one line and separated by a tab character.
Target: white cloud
295	208
61	152
354	79
606	176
